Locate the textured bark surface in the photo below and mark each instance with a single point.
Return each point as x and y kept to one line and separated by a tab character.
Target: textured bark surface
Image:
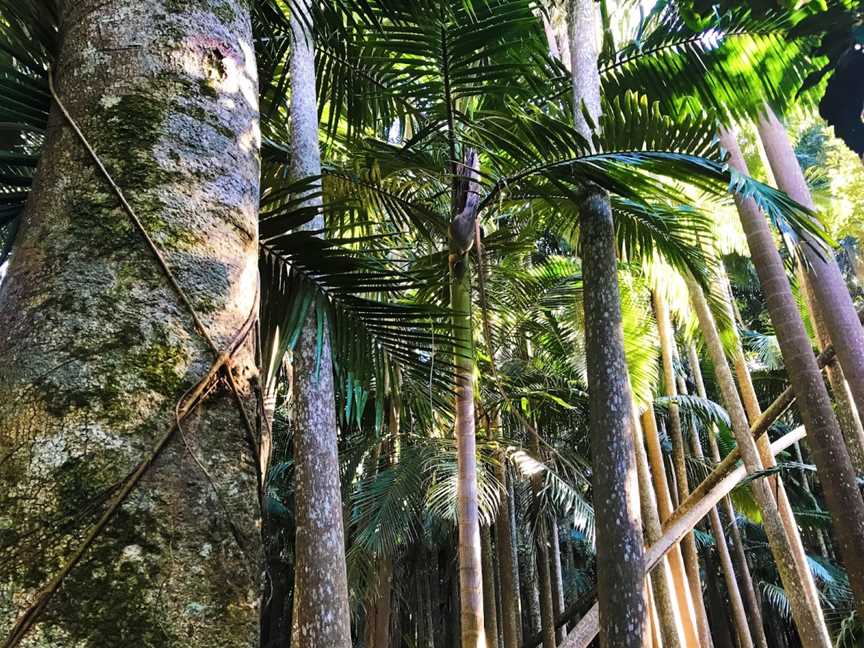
321	613
620	572
834	302
826	440
808	617
96	349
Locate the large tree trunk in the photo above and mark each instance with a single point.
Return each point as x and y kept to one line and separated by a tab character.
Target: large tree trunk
826	440
808	617
96	349
834	303
620	572
676	435
321	612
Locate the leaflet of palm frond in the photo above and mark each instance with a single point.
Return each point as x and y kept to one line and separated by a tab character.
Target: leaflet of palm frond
729	65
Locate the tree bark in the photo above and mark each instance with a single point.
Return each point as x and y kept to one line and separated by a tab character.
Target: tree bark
379	606
834	303
808	617
826	440
557	579
321	605
96	349
676	435
620	572
540	540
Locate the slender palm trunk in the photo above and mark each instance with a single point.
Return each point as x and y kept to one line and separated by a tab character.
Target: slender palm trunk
681	585
544	572
96	350
808	617
668	613
490	606
321	613
507	564
739	615
688	545
557	579
620	572
833	301
750	402
826	440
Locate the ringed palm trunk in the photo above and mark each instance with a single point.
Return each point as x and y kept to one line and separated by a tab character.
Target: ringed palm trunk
808	617
96	350
620	570
826	440
321	612
688	544
833	301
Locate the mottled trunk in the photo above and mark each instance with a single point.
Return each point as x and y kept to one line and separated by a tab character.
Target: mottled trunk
506	558
668	613
664	508
736	602
531	622
679	464
826	440
620	569
96	349
834	303
807	617
541	548
557	579
321	612
518	591
490	607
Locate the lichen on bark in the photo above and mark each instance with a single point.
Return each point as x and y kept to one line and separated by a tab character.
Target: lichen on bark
96	349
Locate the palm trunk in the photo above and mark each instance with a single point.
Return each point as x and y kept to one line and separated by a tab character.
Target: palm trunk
557	579
321	612
739	615
620	572
826	440
676	435
379	606
96	349
751	406
544	572
668	613
506	556
807	617
664	506
833	301
490	607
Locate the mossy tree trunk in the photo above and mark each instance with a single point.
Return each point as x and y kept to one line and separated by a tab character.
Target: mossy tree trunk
96	350
620	569
321	613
